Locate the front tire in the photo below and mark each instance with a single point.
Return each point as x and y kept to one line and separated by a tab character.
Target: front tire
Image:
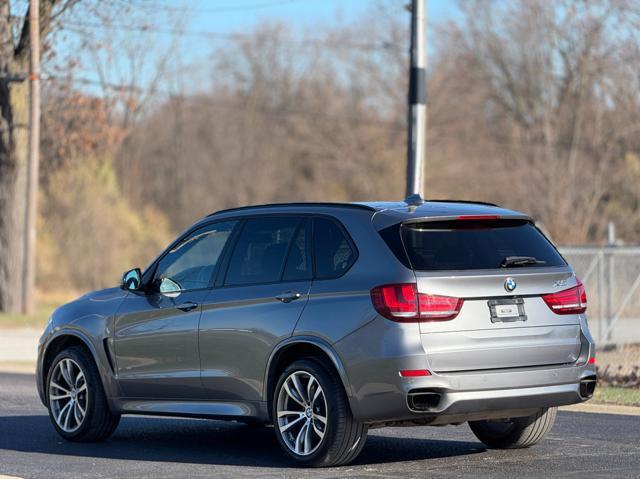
311	416
515	433
78	407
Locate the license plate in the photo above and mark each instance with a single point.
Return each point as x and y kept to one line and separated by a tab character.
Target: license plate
507	310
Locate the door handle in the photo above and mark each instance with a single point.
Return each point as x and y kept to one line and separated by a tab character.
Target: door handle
187	306
288	296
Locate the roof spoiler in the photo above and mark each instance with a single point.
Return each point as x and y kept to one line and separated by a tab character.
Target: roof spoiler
417	200
468	217
484	203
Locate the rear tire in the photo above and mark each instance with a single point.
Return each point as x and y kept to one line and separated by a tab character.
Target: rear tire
515	433
76	400
333	440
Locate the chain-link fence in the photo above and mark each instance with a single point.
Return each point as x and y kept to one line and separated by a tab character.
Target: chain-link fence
611	275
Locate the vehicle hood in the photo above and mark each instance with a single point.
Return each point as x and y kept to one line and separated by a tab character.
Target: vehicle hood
94	305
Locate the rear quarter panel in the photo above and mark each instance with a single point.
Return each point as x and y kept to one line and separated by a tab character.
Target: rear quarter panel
340	313
340	306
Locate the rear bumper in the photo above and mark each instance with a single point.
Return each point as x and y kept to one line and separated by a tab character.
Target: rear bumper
461	406
480	395
380	396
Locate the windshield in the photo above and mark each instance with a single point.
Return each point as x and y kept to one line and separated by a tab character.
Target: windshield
477	244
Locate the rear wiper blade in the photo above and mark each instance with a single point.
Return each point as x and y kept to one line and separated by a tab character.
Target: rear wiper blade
520	261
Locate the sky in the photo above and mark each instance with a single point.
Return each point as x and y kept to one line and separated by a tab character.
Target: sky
229	16
239	15
226	17
233	15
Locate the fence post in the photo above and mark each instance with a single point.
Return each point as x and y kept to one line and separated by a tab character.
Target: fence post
611	239
601	299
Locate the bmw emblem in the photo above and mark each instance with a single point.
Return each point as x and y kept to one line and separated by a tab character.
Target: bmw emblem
510	284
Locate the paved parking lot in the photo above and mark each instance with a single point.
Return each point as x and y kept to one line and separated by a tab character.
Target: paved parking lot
581	445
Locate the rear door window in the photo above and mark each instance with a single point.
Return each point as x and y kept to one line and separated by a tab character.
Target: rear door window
262	248
482	244
334	253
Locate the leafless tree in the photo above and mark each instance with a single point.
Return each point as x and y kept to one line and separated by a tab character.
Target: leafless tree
550	91
73	17
532	104
14	65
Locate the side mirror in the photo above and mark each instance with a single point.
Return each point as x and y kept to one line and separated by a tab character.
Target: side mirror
132	279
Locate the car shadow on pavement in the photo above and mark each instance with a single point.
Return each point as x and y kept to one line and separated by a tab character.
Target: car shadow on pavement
206	442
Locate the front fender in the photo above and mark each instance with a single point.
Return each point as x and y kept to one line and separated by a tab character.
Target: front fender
75	335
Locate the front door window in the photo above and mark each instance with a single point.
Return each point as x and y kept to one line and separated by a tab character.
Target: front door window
191	263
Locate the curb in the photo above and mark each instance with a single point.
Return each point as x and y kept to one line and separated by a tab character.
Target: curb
597	408
19	345
17	367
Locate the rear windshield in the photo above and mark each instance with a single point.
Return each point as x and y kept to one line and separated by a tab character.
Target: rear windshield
482	244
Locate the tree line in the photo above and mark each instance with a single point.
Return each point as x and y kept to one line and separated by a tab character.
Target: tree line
532	104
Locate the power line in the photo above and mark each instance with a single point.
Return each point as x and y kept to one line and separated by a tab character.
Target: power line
234	8
267	110
188	8
150	29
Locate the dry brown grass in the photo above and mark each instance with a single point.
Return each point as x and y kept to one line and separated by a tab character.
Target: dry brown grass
620	367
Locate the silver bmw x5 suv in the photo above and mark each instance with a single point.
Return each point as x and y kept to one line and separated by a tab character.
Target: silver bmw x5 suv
326	320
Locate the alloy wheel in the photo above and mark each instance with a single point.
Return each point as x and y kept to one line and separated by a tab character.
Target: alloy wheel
302	413
68	395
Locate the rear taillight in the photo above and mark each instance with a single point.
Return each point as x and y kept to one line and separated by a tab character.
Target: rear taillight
403	303
396	301
438	308
569	301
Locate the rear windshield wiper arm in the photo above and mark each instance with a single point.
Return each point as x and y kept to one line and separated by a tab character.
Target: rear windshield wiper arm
520	261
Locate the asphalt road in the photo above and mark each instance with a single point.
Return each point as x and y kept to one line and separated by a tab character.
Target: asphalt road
580	445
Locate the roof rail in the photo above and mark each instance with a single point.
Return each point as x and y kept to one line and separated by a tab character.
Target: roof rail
298	204
485	203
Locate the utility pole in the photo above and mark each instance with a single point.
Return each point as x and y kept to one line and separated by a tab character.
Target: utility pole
31	210
417	99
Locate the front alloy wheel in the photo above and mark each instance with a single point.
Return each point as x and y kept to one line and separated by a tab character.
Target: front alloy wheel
77	403
68	395
302	413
